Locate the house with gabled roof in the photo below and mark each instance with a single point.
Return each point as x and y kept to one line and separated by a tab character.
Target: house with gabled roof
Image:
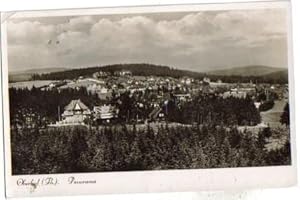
75	113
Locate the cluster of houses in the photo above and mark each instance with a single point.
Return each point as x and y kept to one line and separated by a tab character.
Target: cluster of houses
104	74
108	85
77	113
239	92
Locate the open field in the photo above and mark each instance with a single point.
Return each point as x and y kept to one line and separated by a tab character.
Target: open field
30	84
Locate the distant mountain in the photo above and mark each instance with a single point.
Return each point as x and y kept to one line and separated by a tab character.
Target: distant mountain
26	75
255	70
278	75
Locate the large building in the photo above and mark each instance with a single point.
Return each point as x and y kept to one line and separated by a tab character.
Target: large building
75	112
235	93
105	113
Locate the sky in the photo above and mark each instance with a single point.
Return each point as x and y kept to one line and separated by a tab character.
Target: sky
197	41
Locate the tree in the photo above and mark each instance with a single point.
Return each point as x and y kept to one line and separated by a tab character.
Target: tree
285	117
267	105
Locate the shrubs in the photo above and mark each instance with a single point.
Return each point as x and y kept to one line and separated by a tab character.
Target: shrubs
79	149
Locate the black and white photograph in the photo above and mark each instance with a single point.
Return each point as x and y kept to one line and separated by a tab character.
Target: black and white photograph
148	91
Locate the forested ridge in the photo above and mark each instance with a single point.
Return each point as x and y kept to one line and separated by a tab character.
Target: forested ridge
143	69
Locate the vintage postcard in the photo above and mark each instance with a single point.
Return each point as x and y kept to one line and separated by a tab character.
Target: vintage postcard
148	99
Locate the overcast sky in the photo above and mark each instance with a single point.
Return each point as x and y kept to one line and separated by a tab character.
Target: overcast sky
198	41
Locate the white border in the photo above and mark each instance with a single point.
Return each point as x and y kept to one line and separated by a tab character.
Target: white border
151	181
149	9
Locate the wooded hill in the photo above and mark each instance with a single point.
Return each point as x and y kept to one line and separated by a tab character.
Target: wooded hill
136	70
143	69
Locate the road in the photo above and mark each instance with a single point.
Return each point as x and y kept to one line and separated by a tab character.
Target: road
272	116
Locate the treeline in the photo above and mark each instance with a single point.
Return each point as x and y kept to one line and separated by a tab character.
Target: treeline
214	110
144	69
79	149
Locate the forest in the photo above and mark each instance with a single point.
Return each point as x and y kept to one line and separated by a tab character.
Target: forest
82	149
213	109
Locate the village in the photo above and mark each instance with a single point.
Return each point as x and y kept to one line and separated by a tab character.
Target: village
165	90
152	94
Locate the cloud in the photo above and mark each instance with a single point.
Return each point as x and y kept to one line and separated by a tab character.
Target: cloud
202	39
27	32
80	23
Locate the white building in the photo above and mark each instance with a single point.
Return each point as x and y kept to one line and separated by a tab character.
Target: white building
105	113
75	113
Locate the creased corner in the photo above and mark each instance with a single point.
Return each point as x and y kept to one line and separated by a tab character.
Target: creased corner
6	15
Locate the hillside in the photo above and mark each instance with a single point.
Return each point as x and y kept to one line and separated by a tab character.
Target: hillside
279	75
40	70
136	69
261	75
255	70
19	77
25	75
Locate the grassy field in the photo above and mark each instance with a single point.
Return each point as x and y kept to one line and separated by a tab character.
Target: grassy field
30	84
